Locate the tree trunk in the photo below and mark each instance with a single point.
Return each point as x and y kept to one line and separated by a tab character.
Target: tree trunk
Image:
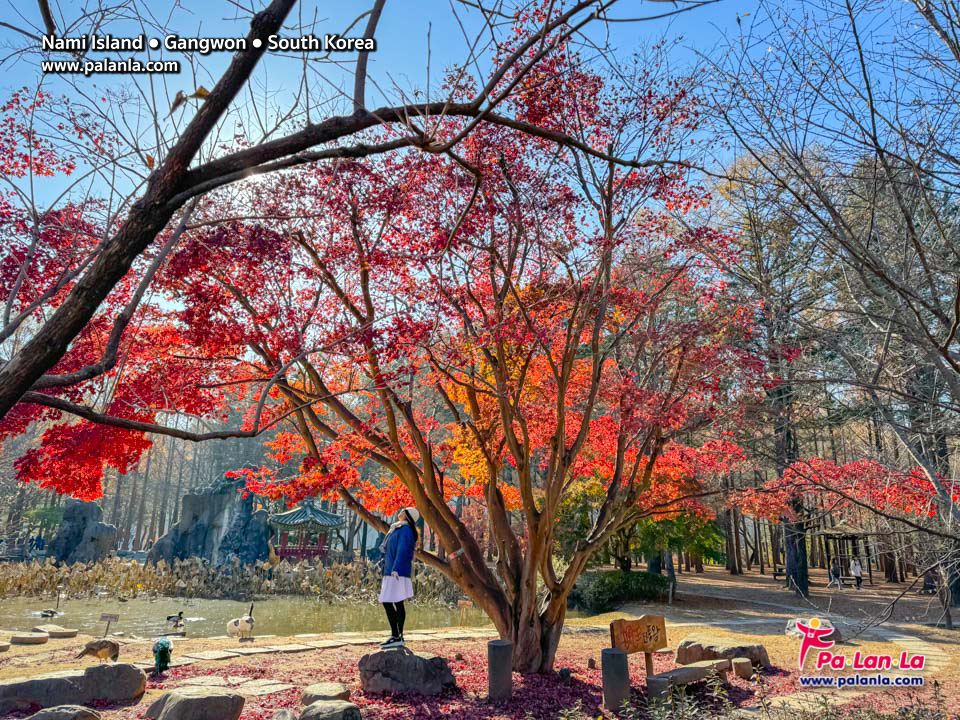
536	635
795	543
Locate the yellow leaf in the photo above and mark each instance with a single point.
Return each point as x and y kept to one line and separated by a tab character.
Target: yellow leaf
200	92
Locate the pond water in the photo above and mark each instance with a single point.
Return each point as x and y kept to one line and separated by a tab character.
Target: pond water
279	615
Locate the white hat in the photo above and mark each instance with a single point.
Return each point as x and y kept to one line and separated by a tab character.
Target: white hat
413	512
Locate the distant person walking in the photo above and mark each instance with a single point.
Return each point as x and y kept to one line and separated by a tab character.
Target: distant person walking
396	586
856	569
835	574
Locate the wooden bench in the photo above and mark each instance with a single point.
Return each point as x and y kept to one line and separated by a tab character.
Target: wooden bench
779	572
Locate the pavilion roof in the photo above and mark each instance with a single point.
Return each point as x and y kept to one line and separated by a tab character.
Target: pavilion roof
306	516
843	530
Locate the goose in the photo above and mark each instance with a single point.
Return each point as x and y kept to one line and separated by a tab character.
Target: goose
242	625
101	649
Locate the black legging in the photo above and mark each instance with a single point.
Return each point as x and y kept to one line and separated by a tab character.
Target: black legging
396	615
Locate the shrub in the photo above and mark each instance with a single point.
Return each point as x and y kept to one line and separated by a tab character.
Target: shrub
601	591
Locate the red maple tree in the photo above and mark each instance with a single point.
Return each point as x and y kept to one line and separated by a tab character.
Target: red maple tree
500	321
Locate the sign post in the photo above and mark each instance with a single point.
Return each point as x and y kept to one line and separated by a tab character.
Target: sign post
108	618
646	634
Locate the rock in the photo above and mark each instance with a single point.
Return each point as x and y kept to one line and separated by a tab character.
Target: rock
66	712
565	674
658	686
458	657
592	664
55	631
284	715
217	523
197	703
325	691
82	536
792	631
695	649
29	638
742	667
398	670
114	683
331	710
4	646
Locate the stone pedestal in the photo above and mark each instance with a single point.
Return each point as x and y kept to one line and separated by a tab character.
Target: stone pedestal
499	669
615	672
742	667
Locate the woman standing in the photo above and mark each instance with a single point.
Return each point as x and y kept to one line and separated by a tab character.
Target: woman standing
396	586
856	569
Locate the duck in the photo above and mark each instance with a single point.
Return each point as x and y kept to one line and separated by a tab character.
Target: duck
48	613
101	649
242	626
178	618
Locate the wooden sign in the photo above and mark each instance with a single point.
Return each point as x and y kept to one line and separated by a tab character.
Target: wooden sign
646	634
108	618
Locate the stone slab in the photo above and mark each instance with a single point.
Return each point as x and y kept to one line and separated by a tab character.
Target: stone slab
29	638
323	644
658	686
293	648
205	681
265	650
262	687
211	655
55	631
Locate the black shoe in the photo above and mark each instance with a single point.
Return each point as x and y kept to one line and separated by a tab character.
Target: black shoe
392	642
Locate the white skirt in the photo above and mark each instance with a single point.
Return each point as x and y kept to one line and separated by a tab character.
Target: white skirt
395	589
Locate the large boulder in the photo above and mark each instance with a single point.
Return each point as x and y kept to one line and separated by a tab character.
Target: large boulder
217	523
114	683
331	710
82	536
695	649
399	670
197	703
66	712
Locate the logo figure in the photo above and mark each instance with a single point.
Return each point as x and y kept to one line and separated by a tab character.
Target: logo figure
813	636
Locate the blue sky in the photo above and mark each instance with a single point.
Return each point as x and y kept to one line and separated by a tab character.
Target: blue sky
402	54
400	61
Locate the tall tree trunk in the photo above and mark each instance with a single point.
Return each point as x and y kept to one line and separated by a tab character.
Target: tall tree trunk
115	515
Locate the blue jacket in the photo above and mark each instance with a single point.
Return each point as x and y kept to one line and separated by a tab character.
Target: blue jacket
399	554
